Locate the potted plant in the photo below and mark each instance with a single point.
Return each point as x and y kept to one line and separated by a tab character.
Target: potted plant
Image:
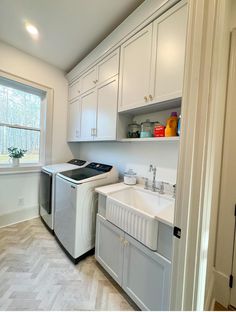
15	154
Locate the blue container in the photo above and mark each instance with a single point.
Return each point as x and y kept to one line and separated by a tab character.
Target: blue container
179	125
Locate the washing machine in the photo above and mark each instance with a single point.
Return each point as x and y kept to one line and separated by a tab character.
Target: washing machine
76	207
47	189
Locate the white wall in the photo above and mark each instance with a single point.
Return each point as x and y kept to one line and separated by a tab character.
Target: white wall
23	65
18	197
137	156
25	186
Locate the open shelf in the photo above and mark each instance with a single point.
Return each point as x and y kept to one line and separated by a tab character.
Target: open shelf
159	139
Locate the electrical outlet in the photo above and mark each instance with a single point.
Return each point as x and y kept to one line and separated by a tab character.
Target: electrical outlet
21	201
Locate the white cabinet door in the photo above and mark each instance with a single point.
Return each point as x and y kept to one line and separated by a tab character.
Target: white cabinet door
89	80
73	122
135	69
74	90
107	110
169	38
109	248
109	67
146	276
88	116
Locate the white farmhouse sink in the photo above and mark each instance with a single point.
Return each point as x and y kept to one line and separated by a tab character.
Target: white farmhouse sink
137	212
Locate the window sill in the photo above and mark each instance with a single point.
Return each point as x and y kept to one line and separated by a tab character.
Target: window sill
27	168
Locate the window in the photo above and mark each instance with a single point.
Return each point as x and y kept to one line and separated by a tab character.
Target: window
22	120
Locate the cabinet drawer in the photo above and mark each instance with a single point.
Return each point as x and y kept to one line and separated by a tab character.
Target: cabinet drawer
74	90
89	80
109	67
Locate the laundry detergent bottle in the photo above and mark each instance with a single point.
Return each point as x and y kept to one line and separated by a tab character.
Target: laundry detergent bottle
171	125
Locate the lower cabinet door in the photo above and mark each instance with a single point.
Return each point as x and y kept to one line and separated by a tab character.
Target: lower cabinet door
109	248
146	276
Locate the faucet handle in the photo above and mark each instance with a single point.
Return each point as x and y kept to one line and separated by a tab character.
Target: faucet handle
162	188
145	183
174	190
152	168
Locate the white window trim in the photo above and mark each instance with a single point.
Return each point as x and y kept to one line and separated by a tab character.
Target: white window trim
45	128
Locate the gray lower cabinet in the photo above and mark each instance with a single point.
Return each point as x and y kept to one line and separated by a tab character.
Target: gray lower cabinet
143	274
109	248
146	276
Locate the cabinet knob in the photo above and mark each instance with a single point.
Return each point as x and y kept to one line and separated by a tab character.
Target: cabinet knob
94	81
93	131
126	243
145	98
150	97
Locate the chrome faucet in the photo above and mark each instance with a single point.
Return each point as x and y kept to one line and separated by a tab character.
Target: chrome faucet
154	170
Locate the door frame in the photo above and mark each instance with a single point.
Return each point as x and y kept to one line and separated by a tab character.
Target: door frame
203	109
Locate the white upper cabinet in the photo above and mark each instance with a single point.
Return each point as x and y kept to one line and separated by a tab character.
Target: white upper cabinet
74	90
107	110
169	37
99	112
73	129
89	80
152	61
150	67
98	106
88	116
109	67
99	73
135	69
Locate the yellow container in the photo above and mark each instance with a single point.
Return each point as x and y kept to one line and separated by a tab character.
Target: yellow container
171	125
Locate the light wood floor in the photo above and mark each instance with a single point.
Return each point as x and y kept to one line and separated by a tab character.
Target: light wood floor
219	307
35	274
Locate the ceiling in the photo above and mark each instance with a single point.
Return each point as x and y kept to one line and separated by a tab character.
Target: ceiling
68	29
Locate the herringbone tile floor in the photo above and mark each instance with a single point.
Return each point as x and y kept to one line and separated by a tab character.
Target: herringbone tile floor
35	274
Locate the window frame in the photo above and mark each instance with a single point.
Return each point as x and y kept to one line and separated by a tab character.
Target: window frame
46	111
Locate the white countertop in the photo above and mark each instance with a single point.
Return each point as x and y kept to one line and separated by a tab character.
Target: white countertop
111	188
165	216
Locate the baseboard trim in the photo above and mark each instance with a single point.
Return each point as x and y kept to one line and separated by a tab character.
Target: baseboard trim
221	289
19	216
